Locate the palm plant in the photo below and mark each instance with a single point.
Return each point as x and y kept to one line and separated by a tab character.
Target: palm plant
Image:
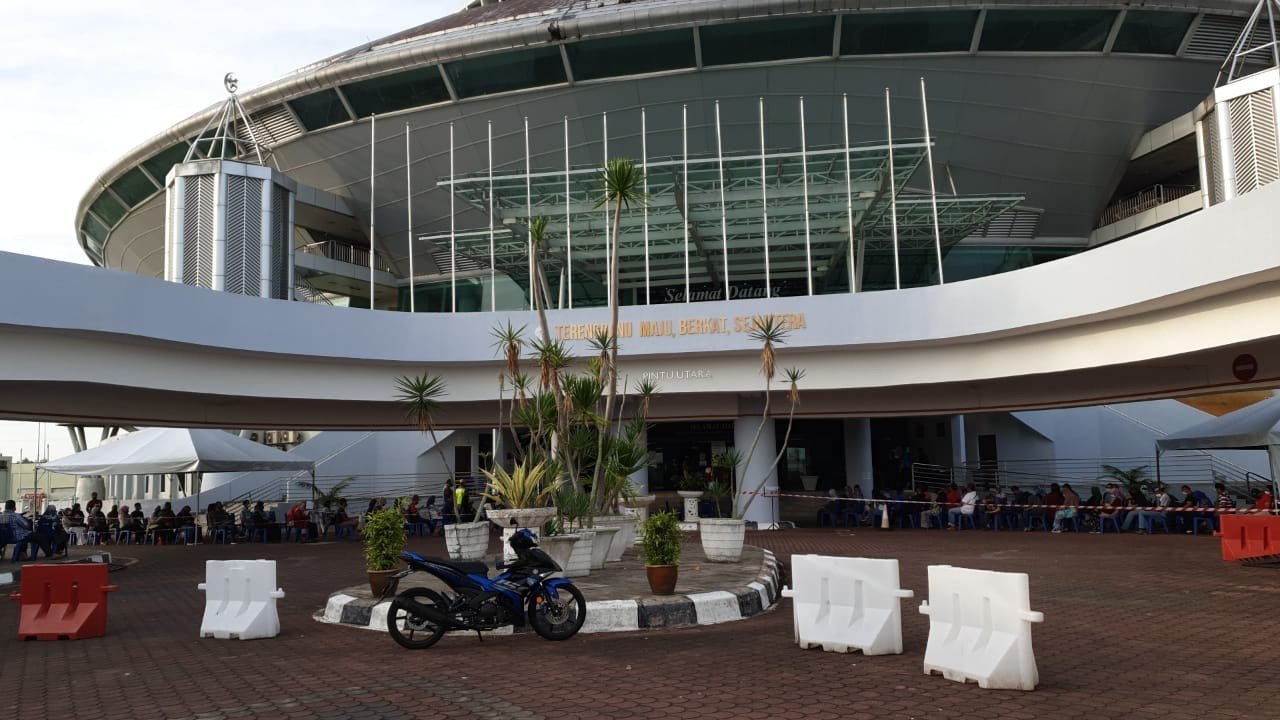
420	397
622	181
326	498
525	486
1132	478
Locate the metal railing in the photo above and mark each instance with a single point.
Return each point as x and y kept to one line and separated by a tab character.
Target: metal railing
307	292
343	252
1144	200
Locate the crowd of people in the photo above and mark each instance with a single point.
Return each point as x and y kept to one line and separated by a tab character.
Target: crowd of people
1058	509
51	531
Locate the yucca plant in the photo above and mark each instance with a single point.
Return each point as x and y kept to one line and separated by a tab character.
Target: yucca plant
525	486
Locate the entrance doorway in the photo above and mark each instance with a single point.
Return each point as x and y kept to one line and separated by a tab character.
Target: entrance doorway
680	449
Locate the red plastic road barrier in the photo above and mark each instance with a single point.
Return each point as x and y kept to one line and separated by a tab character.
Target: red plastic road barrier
63	601
1249	536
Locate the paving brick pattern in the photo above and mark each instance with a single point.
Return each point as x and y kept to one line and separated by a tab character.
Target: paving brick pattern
1135	627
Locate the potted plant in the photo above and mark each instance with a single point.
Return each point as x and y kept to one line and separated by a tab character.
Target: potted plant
660	545
520	496
573	507
384	538
420	398
722	538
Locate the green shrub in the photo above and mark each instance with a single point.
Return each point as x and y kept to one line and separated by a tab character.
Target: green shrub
384	539
662	539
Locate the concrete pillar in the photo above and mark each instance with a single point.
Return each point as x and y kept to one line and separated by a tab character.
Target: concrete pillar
858	469
959	449
763	511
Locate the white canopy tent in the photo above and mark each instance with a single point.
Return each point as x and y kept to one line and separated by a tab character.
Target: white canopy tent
1255	427
178	451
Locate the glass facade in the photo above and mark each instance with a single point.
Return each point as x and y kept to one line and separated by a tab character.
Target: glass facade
1046	30
319	110
106	208
631	54
133	187
388	93
161	163
1151	32
764	40
507	71
914	32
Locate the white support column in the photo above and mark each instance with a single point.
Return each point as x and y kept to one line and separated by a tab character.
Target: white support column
644	206
959	446
493	271
373	206
568	214
724	226
848	189
453	233
408	202
528	210
218	269
893	193
608	239
933	189
265	221
684	182
858	467
764	204
640	478
804	170
764	510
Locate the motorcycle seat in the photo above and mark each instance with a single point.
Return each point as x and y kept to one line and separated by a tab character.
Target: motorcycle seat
466	567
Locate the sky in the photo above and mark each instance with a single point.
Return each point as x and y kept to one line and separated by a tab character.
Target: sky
84	81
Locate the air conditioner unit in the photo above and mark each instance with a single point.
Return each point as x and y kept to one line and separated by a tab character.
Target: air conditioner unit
253	437
270	438
289	437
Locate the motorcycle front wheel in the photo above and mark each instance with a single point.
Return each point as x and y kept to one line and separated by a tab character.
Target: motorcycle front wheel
410	630
561	618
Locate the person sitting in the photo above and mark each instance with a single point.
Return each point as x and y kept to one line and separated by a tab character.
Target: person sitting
991	509
49	535
185	523
833	509
412	516
968	504
221	524
299	519
1112	510
93	504
113	519
343	519
1071	506
18	528
1262	499
97	523
1144	517
432	514
1193	499
135	521
932	512
73	518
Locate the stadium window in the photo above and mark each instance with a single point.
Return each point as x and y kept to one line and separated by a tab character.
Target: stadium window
1153	33
1046	30
765	40
160	164
388	93
108	209
133	187
319	110
94	232
631	54
506	71
913	32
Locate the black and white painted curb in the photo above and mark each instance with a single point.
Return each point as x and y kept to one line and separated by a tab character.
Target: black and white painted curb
706	608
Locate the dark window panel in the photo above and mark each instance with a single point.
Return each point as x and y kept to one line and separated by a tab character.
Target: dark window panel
319	110
916	32
95	231
133	187
764	40
1158	33
159	165
1046	30
389	93
506	71
108	209
631	54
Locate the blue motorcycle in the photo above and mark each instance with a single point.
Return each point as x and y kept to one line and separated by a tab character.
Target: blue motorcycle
530	589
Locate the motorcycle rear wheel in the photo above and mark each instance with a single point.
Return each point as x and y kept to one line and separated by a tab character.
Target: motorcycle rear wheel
409	630
563	618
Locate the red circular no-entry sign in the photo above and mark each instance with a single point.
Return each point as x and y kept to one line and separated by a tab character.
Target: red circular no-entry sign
1244	367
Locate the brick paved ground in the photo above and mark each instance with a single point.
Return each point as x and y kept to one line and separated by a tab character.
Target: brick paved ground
1135	627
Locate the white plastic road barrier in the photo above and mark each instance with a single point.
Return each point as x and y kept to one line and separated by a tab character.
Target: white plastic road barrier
240	599
844	604
980	628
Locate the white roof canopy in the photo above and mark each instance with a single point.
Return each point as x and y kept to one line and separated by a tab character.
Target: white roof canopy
177	450
1255	427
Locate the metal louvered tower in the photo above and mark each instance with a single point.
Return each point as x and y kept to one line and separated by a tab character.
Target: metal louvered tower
1238	137
229	221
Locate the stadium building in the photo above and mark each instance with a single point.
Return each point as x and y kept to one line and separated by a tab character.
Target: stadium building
799	158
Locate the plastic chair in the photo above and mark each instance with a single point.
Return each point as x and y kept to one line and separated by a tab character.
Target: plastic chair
1033	518
221	531
1197	519
254	532
187	533
341	530
126	534
973	525
1102	523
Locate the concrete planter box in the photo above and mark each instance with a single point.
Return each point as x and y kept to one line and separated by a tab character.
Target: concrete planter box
625	537
722	538
512	520
601	545
466	541
560	548
580	560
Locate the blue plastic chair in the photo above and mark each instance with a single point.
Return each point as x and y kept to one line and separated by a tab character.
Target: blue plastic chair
973	525
1197	519
1153	519
1114	520
1033	518
340	530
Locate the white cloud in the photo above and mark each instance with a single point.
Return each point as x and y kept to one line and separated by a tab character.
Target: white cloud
85	81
